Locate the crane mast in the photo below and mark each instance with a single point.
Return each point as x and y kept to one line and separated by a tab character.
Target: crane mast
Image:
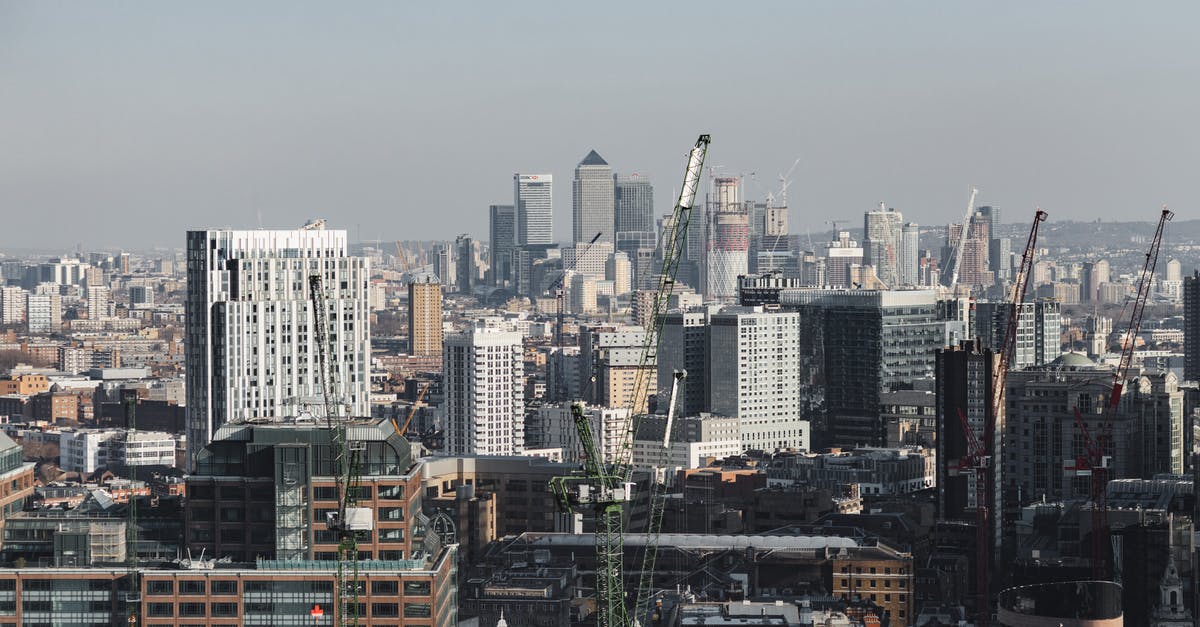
348	519
979	459
603	487
1096	446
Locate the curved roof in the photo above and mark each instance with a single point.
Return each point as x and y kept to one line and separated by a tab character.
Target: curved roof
1073	360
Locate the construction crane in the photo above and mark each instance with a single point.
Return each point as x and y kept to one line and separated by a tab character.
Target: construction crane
348	519
603	487
962	237
1097	447
979	458
411	412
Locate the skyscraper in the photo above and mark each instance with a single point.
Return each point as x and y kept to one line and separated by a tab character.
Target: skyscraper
1091	277
881	243
1191	327
727	245
634	198
1038	330
425	316
684	346
534	202
842	254
502	240
592	201
754	375
250	345
910	255
483	378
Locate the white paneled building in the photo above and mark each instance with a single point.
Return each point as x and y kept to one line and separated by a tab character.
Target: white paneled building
484	383
251	344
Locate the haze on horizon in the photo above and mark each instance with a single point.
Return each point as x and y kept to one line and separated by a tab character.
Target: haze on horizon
126	124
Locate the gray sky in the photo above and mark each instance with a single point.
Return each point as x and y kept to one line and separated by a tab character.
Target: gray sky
123	124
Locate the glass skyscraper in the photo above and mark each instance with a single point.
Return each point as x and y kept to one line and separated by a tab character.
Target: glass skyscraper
533	197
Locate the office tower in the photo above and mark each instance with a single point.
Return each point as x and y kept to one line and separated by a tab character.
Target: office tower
683	345
97	301
1147	426
534	202
857	344
592	201
638	247
466	269
1191	327
555	426
1091	276
425	316
484	385
975	255
12	305
881	243
587	259
1171	285
634	198
141	295
618	270
841	256
908	272
754	375
43	312
444	264
502	233
582	291
964	376
1038	330
250	344
727	245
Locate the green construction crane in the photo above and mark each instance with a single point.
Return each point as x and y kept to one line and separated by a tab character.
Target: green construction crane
604	486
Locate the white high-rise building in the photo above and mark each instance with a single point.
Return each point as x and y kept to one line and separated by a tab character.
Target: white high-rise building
556	427
754	375
484	382
12	305
44	312
534	202
97	301
592	201
251	344
909	272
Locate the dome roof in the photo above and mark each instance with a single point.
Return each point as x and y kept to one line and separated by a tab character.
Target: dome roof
1073	360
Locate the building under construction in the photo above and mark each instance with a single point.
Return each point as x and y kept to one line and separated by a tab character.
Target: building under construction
727	241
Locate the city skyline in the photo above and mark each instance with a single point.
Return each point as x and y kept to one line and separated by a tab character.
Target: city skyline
291	118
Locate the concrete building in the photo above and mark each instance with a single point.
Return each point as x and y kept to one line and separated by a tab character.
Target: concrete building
1041	434
619	272
727	241
12	305
592	201
841	256
250	343
683	345
1191	327
753	374
44	313
555	426
86	450
881	243
425	316
502	241
534	202
965	377
143	448
634	198
483	380
877	471
1091	277
695	442
909	271
857	344
1038	330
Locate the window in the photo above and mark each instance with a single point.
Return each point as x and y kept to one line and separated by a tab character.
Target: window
385	609
417	610
416	588
392	491
191	588
325	493
161	609
224	586
233	492
36	584
391	535
160	588
384	587
192	609
224	609
233	514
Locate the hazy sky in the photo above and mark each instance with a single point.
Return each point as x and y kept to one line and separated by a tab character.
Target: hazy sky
123	124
